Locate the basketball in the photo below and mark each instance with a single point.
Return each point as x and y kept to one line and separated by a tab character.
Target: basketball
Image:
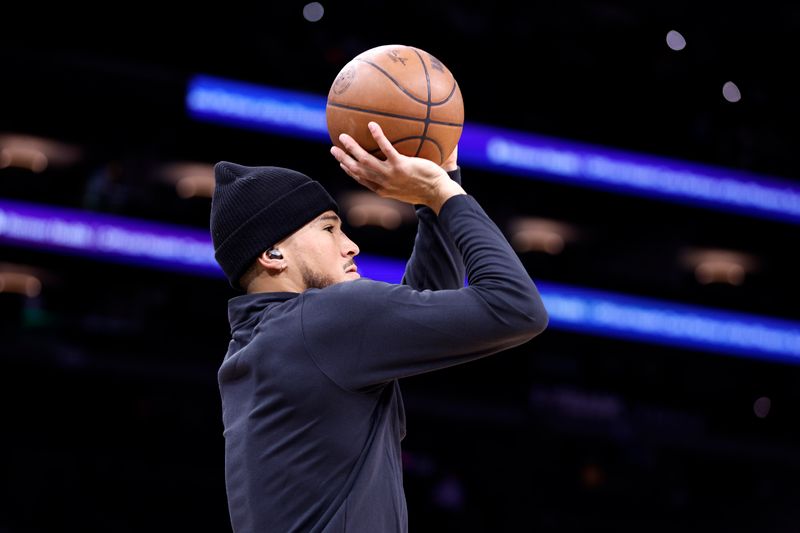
409	92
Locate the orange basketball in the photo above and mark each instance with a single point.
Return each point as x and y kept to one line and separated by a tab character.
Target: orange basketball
410	93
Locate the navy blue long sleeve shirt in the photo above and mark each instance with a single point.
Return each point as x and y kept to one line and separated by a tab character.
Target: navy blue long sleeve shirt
312	411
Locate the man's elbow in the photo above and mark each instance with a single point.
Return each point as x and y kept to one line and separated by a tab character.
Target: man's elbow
535	318
521	314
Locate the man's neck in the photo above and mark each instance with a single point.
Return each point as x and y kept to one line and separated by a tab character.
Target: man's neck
277	284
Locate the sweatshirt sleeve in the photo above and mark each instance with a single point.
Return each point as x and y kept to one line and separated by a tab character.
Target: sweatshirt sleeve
363	333
435	262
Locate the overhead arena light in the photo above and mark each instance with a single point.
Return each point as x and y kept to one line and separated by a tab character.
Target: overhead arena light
35	153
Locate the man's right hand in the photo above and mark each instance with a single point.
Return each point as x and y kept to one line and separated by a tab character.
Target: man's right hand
409	179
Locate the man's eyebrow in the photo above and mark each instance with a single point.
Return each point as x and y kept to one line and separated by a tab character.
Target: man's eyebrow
323	218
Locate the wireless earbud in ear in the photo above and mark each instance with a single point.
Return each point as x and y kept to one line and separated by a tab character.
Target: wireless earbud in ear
274	254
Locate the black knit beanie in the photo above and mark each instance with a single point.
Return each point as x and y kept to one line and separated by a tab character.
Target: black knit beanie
255	207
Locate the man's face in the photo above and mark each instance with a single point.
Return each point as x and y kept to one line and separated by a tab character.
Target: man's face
322	253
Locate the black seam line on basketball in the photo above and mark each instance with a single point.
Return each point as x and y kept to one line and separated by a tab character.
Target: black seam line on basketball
394	115
435	143
449	96
416	99
427	104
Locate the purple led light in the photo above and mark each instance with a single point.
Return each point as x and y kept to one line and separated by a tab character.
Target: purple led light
518	153
624	172
132	241
577	309
107	236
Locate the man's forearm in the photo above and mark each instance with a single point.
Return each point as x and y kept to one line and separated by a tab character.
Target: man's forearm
435	262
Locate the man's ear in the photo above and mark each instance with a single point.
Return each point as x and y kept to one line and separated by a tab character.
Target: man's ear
272	262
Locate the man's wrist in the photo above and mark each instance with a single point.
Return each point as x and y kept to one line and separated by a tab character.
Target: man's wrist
455	174
446	190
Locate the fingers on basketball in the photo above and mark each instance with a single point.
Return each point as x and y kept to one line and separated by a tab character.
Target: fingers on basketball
383	143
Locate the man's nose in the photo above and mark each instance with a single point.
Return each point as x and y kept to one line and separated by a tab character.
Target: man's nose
352	248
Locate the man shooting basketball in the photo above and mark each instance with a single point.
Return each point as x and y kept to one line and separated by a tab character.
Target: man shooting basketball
312	409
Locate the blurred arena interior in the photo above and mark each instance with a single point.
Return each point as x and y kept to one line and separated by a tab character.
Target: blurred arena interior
110	405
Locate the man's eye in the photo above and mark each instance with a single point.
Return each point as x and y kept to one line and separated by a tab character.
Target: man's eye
329	229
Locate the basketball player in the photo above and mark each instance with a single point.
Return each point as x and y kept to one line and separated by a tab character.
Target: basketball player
312	411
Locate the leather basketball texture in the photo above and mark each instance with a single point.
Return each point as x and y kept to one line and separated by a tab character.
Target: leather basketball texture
411	94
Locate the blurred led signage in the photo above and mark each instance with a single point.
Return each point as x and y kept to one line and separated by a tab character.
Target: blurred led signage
576	309
531	156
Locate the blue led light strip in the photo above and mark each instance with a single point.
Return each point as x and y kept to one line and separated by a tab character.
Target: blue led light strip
571	309
649	320
531	156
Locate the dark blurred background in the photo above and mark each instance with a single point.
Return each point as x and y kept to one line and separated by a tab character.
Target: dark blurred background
108	399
